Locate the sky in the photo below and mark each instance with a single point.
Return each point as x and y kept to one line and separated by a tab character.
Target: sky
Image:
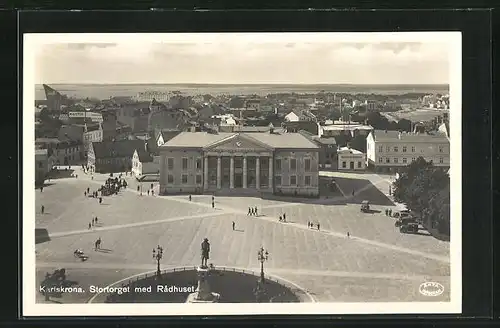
252	61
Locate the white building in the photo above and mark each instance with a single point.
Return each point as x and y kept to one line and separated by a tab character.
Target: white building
292	117
351	159
143	163
343	128
389	151
371	105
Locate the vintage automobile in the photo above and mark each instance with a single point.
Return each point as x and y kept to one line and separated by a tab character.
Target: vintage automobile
411	227
365	206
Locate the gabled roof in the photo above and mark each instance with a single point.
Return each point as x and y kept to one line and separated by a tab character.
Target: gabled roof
144	157
122	148
271	140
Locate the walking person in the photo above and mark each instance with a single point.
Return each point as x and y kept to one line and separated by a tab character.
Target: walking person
284	217
249	211
390	212
100	200
348	234
318	226
148	192
255	211
281	219
190	198
213	204
43	209
41	189
137	188
93	221
88	190
90	226
85	193
234	224
152	192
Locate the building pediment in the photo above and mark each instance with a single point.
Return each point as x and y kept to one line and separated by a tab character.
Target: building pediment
238	142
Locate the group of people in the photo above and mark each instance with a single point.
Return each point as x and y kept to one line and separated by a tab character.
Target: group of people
311	225
252	211
93	222
282	218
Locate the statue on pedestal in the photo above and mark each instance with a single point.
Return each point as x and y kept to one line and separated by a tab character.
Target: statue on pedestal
205	252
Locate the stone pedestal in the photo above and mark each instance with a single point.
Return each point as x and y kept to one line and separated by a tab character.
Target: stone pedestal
203	294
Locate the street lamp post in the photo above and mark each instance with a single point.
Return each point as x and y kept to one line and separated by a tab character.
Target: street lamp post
157	255
262	256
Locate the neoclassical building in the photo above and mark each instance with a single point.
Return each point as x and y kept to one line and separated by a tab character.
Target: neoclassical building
197	162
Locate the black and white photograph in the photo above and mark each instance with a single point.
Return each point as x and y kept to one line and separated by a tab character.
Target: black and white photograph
318	173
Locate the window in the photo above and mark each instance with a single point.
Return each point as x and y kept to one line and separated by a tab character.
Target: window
388	149
380	160
395	159
170	163
380	149
293	180
387	160
404	149
359	165
441	149
412	149
198	163
344	165
198	179
396	149
441	160
277	163
170	179
184	163
307	164
184	179
307	180
277	180
293	164
413	159
404	160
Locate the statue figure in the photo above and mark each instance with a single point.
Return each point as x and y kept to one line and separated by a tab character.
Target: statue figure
205	251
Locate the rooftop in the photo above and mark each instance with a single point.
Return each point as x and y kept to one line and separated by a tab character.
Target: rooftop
346	126
122	148
274	140
346	150
381	135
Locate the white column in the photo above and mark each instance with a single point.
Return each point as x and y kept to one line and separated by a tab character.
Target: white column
219	175
244	172
205	173
257	173
271	173
231	173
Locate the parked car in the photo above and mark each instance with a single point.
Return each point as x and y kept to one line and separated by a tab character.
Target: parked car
411	227
365	206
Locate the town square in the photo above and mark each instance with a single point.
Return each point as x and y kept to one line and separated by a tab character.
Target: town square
374	263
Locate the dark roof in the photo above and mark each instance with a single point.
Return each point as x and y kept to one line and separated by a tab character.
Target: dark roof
122	148
144	156
381	135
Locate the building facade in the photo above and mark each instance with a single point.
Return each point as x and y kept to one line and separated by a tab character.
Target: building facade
144	163
41	166
350	159
390	151
91	133
197	162
112	156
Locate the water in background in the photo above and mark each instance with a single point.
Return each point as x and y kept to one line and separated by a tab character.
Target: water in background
105	91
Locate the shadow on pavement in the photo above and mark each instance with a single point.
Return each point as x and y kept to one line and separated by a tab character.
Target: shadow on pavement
41	236
363	190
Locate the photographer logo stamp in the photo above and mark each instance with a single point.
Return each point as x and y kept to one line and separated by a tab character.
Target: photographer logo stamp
431	289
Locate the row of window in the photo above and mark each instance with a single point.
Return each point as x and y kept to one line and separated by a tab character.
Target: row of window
344	165
278	166
277	180
404	160
404	149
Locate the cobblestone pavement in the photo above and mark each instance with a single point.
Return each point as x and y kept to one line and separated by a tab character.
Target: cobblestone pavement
368	264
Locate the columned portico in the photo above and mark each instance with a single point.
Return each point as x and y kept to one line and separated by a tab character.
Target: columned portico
231	173
219	172
205	174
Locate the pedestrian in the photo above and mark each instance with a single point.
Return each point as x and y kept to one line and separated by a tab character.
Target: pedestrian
99	241
41	189
308	224
390	212
213	198
234	224
190	198
85	193
100	200
255	211
280	219
284	217
213	204
148	192
249	211
152	192
93	221
318	225
76	176
386	212
348	234
90	226
43	209
137	188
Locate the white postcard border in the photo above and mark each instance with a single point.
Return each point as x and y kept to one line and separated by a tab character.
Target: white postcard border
31	308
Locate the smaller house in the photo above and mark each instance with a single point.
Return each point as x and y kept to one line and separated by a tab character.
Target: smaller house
351	159
292	117
113	156
143	163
